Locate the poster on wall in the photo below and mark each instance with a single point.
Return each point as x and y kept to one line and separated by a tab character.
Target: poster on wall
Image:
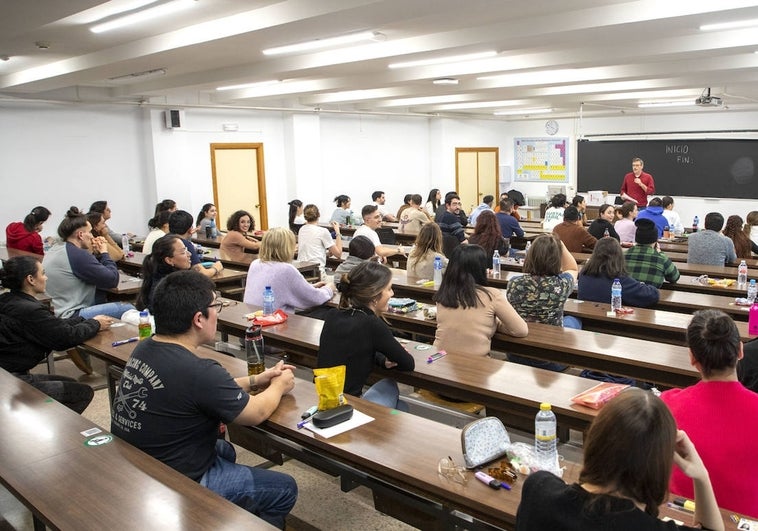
541	160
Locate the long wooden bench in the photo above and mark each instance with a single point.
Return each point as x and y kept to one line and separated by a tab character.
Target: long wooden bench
69	480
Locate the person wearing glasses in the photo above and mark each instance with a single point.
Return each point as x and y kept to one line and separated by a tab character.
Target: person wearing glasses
449	221
169	255
170	402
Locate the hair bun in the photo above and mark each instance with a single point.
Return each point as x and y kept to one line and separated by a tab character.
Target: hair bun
73	212
717	328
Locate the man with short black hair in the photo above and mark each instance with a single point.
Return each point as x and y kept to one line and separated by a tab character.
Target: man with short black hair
709	246
379	200
508	224
170	402
372	220
450	222
572	232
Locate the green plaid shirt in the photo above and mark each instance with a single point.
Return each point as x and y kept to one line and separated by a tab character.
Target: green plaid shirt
650	266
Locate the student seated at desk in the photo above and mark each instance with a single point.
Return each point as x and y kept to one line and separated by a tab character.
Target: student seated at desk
654	212
97	221
606	264
237	240
554	213
158	226
629	452
709	246
672	217
488	235
174	414
206	219
24	235
468	311
539	294
180	223
296	218
360	249
414	217
645	261
314	243
743	247
428	246
29	332
355	335
625	227
718	414
572	232
604	222
343	212
274	268
169	255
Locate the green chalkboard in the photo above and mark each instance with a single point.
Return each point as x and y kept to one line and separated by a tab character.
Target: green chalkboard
696	168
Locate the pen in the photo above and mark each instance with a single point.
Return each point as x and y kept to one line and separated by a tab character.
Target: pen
436	356
303	423
125	341
309	412
505	485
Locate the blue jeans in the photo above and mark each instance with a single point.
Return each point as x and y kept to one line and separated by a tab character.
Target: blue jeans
385	393
569	321
267	494
111	309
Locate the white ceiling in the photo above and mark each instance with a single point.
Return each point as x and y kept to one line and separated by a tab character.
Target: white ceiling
609	55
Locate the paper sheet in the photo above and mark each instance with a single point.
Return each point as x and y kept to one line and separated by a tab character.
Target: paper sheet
358	419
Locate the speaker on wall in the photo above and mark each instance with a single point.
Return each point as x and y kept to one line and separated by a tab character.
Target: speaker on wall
174	118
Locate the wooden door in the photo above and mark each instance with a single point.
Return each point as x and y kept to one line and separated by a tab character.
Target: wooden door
239	182
476	175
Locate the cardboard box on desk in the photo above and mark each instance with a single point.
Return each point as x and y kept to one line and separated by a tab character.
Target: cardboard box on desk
596	197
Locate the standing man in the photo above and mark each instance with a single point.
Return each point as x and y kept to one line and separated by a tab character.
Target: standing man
637	184
170	402
379	200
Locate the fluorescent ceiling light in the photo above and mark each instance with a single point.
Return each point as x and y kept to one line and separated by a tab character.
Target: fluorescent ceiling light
679	103
514	112
250	85
444	60
326	43
445	81
108	9
730	25
422	100
142	16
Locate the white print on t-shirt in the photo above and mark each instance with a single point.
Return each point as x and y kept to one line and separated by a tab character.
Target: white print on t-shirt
132	392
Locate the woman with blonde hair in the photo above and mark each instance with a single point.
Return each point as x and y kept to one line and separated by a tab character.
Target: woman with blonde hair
629	453
428	246
734	231
274	268
355	335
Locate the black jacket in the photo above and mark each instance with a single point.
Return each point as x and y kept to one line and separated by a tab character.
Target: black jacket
29	331
598	226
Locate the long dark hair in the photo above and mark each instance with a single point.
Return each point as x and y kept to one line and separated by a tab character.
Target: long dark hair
742	243
38	215
203	212
294	205
630	448
433	198
16	269
233	223
159	220
165	206
464	279
341	200
94	218
154	268
544	256
607	260
487	232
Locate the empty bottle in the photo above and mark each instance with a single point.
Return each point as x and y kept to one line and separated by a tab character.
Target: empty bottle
144	327
268	301
254	350
125	243
616	295
752	291
695	223
496	263
742	275
545	440
437	271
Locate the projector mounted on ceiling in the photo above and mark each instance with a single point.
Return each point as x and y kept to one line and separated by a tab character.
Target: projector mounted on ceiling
706	100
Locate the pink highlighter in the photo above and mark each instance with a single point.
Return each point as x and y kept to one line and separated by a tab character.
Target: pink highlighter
487	480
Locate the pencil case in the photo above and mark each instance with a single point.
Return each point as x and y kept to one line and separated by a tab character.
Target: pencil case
332	417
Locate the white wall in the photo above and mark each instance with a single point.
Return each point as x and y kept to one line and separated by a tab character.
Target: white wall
58	155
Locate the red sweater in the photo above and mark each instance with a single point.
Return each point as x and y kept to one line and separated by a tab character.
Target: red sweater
19	238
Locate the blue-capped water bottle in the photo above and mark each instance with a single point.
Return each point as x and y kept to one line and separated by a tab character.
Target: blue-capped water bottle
616	295
437	271
268	301
695	223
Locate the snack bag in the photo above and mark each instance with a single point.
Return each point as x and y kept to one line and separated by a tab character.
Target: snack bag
330	382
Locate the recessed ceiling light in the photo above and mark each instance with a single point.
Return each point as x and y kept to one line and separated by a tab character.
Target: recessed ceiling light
326	43
5	57
514	112
730	25
445	81
249	85
444	60
141	16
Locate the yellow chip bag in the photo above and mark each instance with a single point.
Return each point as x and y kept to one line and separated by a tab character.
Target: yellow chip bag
330	382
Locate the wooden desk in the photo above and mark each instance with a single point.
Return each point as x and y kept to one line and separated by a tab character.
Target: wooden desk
689	302
68	484
128	287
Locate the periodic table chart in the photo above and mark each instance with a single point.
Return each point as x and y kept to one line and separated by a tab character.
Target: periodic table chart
541	160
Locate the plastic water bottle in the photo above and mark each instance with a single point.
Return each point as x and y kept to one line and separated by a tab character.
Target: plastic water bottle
254	350
528	244
752	291
695	223
616	295
144	327
437	271
545	440
496	264
268	301
606	233
752	321
125	243
214	231
742	275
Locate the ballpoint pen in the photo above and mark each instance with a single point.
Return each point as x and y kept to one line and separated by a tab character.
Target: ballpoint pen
125	341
